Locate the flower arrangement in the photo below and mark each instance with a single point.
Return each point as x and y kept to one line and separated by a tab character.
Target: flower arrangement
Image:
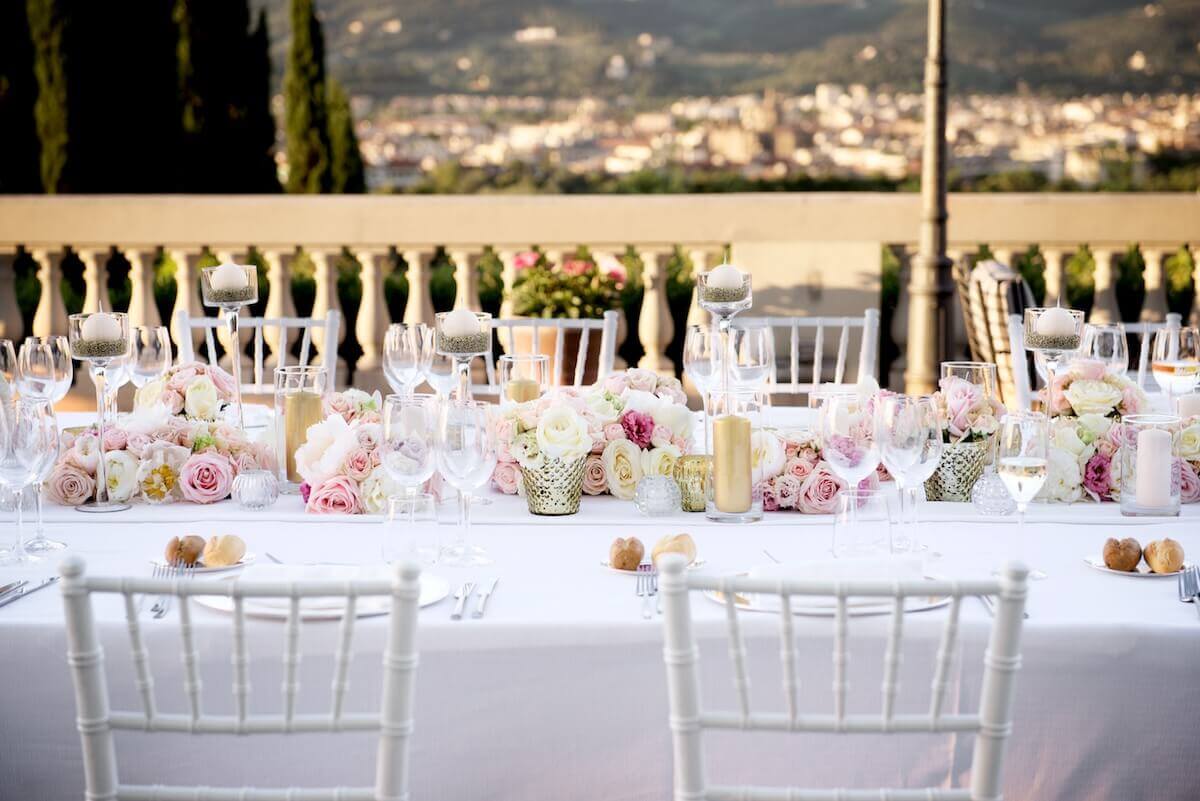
577	288
790	474
1085	387
967	414
195	390
633	423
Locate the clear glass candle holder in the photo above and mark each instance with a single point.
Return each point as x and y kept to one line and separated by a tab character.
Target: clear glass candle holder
1150	477
299	403
230	287
734	417
99	339
523	377
657	496
1054	334
462	335
254	490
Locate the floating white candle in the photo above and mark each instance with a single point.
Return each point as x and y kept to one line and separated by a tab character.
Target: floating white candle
460	323
1153	487
725	276
228	276
1188	405
1056	322
100	326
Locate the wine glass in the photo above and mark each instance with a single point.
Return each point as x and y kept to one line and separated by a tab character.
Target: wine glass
702	363
8	369
1175	360
60	347
40	543
752	356
848	443
1106	343
150	354
405	356
440	369
28	434
410	530
1022	457
861	524
409	440
910	445
39	372
120	371
466	457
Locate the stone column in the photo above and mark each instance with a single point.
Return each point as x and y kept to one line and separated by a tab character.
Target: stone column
1055	275
419	308
187	286
279	304
142	308
697	315
655	327
1154	307
466	279
372	321
11	325
1104	302
508	280
51	315
325	300
95	279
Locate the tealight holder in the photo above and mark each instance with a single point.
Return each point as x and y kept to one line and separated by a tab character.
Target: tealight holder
1054	333
299	403
523	377
692	475
462	338
230	288
723	292
656	496
99	339
255	490
1150	477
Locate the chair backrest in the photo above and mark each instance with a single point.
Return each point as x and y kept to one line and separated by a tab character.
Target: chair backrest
96	721
525	335
995	292
992	723
277	333
802	372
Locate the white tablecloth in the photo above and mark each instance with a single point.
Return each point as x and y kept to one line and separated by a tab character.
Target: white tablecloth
560	691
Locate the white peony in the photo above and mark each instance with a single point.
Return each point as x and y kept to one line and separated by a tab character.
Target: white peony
622	467
149	395
146	419
526	451
375	489
325	449
767	455
638	401
562	433
1092	397
660	461
1064	481
200	400
1189	443
678	419
121	474
600	404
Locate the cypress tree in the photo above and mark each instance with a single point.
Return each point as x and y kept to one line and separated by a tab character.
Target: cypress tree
304	95
48	29
345	158
19	170
260	123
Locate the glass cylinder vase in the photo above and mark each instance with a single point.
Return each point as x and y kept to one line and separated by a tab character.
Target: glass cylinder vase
1150	478
735	415
299	403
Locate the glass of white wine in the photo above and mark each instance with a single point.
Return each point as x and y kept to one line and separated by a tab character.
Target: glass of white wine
1175	360
1021	457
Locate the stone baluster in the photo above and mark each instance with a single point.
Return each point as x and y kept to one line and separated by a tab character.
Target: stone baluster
419	308
232	257
899	329
655	327
1055	276
699	258
325	299
11	324
95	279
142	308
51	315
1154	307
466	279
372	321
187	289
1104	302
599	253
279	303
508	280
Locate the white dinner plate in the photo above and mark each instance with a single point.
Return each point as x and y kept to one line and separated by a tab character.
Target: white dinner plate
814	606
433	589
200	569
1142	571
607	565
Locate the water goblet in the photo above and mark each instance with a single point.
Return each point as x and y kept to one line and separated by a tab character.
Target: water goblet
8	369
848	443
409	440
39	371
1175	360
909	433
1022	453
466	457
98	339
40	543
150	356
702	363
752	356
28	439
410	530
440	370
60	348
405	356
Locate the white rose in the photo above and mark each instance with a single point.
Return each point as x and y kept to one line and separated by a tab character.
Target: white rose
1064	482
1095	424
676	418
375	489
638	401
562	433
767	455
149	395
121	472
1066	439
602	407
325	449
622	467
1092	397
660	461
362	401
201	400
641	379
1189	443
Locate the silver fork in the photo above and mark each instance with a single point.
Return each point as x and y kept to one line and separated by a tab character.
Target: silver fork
647	587
158	573
164	606
1189	586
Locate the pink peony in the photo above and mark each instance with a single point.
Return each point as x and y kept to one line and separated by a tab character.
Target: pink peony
358	464
206	478
818	494
595	482
68	485
1097	477
1189	482
787	490
614	431
506	476
639	428
337	495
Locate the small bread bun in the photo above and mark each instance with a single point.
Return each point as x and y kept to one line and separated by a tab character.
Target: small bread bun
1164	556
1123	555
679	543
184	551
626	554
224	551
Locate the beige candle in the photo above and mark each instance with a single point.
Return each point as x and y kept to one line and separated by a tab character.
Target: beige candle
520	390
300	410
731	464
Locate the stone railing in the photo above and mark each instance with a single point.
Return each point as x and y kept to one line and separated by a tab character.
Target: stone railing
809	253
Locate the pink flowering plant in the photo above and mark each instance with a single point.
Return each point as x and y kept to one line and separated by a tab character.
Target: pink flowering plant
577	288
968	414
791	475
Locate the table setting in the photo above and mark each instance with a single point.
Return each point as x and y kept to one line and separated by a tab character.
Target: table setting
538	522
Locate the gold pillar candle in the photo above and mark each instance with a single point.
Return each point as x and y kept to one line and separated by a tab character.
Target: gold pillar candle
691	474
731	464
300	410
520	390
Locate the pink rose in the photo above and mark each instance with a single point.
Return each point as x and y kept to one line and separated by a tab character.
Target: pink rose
245	461
617	273
337	495
1189	482
641	379
115	439
660	436
84	454
506	476
763	490
1097	477
575	266
787	490
1131	401
179	380
68	485
504	451
614	431
961	398
616	383
639	428
136	444
371	417
206	478
172	400
337	404
682	444
1088	370
223	381
799	467
882	474
358	464
595	482
818	494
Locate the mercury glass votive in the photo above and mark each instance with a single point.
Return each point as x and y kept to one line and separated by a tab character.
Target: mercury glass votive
657	496
255	490
691	476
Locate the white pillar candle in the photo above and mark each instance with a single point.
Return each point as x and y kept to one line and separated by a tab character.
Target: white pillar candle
228	276
1188	405
1153	487
100	326
460	323
1056	322
726	276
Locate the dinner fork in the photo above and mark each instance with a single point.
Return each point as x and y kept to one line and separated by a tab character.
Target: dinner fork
157	574
647	587
164	606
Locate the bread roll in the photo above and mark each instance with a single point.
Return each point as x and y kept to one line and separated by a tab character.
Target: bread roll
184	551
626	554
1164	556
680	543
224	551
1123	555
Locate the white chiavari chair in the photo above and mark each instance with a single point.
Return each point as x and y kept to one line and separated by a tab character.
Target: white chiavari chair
262	380
96	721
991	724
793	382
506	333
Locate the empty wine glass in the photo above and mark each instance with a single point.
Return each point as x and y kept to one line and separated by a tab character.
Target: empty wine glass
1175	360
149	354
40	543
405	356
60	347
39	372
440	370
28	433
910	445
848	443
410	530
1106	343
466	457
8	369
1022	458
861	524
752	356
702	363
409	440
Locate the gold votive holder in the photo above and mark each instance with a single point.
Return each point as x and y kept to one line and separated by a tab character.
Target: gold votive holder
691	474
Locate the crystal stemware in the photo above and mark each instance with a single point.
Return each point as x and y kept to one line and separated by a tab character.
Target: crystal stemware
463	335
1175	360
405	356
466	457
410	440
1022	452
848	443
702	363
150	357
38	371
230	288
8	370
752	356
60	349
28	440
1106	343
910	445
98	339
1054	333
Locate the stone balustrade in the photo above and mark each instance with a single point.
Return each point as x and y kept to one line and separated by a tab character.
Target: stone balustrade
809	253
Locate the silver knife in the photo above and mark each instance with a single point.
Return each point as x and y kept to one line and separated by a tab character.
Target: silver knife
27	590
12	585
481	607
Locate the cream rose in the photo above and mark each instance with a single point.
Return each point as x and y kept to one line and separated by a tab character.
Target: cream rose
150	394
121	474
1094	425
1092	397
562	433
767	455
660	461
623	466
201	399
375	490
600	404
325	449
1189	443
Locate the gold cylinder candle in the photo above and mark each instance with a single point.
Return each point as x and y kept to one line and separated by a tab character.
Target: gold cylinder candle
691	474
731	464
300	410
520	390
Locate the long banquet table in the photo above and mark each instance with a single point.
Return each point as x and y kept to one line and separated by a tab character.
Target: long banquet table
559	692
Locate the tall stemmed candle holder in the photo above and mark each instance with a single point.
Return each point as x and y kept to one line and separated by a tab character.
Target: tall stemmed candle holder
230	288
1054	333
723	292
462	335
98	339
1150	477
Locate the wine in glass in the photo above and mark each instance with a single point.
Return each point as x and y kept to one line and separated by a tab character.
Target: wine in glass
466	457
1022	458
1175	360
